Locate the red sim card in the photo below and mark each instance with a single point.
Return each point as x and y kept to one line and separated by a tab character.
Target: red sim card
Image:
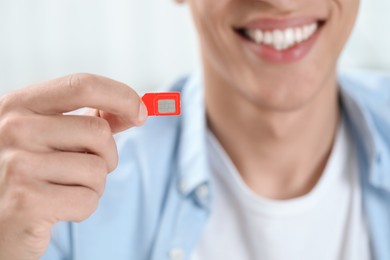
162	104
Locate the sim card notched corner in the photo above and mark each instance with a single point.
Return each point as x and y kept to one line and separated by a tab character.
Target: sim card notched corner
162	103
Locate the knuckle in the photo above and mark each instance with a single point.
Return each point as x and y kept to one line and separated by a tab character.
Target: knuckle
21	199
99	127
9	124
20	193
99	172
16	166
37	236
74	81
35	231
7	102
88	206
12	128
92	203
114	164
114	159
80	83
100	185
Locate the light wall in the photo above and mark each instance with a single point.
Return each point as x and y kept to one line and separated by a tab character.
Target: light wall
144	43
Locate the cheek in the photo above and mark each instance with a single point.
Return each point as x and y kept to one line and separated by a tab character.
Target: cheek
214	32
341	22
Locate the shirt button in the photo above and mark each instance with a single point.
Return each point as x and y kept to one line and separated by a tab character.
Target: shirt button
202	192
176	254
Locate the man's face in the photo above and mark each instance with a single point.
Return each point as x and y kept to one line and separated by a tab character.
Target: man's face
276	53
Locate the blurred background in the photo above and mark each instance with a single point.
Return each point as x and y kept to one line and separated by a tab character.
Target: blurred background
144	43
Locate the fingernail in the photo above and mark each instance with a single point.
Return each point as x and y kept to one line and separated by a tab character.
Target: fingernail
142	112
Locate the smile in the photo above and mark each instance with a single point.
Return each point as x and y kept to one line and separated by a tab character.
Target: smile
279	40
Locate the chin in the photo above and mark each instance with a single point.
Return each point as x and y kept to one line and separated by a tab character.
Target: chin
282	96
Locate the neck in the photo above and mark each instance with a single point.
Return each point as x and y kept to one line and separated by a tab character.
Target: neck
279	154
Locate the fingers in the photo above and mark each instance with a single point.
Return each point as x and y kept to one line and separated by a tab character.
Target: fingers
68	169
37	133
71	169
81	90
51	203
65	186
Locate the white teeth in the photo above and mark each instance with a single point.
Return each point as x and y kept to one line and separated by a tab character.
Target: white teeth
289	38
298	35
313	27
283	39
306	32
278	39
258	36
267	38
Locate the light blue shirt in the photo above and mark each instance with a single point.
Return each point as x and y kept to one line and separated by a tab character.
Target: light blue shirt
158	199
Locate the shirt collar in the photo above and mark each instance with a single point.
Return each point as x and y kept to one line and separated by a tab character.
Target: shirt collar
363	119
193	166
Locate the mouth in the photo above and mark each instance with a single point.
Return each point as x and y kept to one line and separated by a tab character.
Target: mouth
280	40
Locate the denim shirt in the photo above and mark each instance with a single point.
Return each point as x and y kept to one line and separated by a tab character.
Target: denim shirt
159	198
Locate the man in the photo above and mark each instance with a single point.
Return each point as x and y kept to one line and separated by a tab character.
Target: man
274	156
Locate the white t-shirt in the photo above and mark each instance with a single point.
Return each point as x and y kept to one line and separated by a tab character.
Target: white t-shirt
327	223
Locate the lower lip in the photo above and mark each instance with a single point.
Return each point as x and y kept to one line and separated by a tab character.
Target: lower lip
292	54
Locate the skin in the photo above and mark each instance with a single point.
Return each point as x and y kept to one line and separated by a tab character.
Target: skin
59	175
261	119
277	122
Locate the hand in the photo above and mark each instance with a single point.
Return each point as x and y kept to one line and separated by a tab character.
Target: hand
53	167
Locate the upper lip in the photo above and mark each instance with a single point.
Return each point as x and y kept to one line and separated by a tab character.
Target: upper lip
269	24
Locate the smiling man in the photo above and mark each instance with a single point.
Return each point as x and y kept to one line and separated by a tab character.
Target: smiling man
275	156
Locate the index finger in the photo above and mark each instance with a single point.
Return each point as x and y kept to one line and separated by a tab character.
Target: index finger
82	90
